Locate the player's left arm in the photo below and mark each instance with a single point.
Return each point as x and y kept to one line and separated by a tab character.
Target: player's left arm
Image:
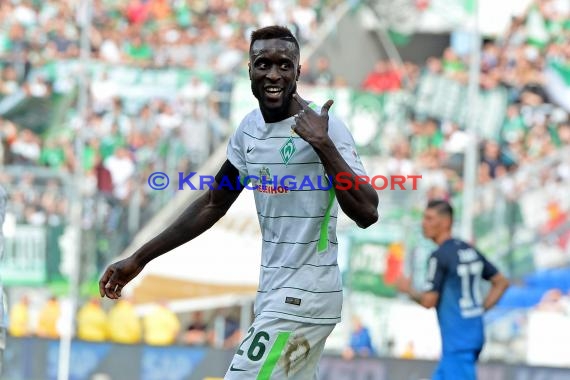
358	200
499	284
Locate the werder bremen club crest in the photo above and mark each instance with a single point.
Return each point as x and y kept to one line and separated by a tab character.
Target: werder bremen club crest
288	150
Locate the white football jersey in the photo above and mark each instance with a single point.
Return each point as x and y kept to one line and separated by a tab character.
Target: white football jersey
299	277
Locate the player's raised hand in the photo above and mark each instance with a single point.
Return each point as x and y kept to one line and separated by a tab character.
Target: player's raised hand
311	126
118	275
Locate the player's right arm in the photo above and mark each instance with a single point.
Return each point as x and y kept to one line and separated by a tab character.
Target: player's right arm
437	269
196	219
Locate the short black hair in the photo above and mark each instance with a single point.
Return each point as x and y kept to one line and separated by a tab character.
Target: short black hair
271	32
442	207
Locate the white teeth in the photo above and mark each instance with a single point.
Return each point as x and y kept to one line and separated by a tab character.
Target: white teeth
273	89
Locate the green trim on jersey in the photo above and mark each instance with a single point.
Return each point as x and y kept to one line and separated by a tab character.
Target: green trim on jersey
323	243
242	179
324	236
273	356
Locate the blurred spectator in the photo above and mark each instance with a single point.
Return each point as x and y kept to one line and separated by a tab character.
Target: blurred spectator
19	322
433	175
553	300
92	322
456	140
116	121
197	331
225	321
409	352
384	77
564	134
121	167
9	83
489	56
103	94
138	50
399	162
360	341
232	332
124	324
48	319
38	87
52	154
433	65
322	76
26	149
161	326
514	127
222	95
137	11
452	65
484	173
435	192
160	10
304	16
109	50
167	119
426	137
104	179
491	157
195	93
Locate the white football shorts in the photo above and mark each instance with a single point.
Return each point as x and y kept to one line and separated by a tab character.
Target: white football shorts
279	349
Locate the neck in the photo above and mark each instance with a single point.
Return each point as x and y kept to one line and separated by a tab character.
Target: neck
274	116
441	238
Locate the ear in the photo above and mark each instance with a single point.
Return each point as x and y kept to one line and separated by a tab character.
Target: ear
298	73
249	69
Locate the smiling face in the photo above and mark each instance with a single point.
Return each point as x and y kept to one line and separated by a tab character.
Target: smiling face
274	70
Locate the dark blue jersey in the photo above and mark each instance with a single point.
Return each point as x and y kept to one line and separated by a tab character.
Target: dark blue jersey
455	271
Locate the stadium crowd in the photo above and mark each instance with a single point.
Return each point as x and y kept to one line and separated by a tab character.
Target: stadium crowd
533	128
125	137
159	33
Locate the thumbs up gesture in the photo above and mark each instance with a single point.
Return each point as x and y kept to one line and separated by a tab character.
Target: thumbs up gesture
309	125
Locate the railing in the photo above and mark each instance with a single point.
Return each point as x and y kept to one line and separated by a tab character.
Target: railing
25	255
